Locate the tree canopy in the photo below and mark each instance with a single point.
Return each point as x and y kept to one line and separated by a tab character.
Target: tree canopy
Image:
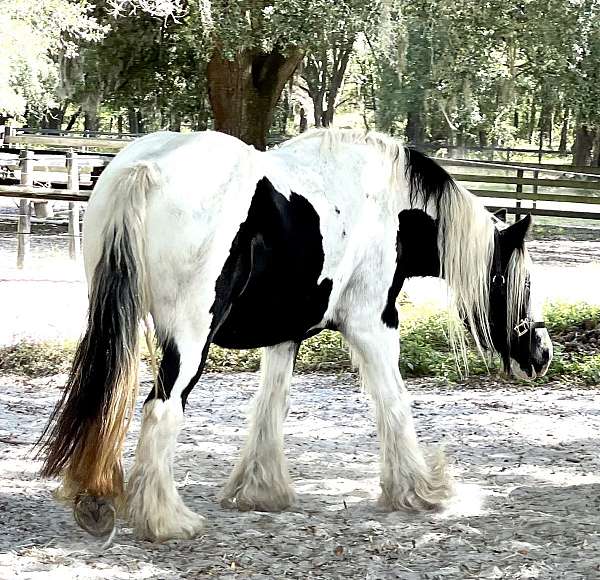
457	71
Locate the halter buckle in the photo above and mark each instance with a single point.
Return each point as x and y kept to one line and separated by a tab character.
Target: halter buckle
523	327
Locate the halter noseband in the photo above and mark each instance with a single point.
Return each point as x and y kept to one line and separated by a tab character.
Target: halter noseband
526	325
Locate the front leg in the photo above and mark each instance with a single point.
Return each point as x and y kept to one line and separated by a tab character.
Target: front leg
410	480
260	480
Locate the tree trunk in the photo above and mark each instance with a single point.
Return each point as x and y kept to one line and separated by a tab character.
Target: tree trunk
318	109
201	116
141	123
564	132
582	148
243	92
286	107
415	130
73	120
175	122
91	121
132	118
341	57
595	162
303	120
532	116
546	121
314	72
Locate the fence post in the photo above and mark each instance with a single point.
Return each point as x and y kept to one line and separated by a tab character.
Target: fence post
517	196
24	224
73	186
8	133
42	209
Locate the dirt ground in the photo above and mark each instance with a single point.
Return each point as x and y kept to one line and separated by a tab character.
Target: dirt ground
525	462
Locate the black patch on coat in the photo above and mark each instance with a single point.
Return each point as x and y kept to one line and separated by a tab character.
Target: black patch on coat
268	290
428	181
168	370
417	255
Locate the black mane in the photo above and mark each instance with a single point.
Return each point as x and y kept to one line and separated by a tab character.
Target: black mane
427	179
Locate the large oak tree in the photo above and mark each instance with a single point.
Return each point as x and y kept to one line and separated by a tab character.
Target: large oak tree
252	48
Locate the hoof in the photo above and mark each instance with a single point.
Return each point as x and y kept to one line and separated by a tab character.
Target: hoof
246	500
182	524
409	502
420	492
96	515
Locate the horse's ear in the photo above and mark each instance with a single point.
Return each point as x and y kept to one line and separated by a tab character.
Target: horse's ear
513	237
500	214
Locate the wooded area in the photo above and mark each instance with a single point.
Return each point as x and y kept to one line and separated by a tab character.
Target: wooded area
507	73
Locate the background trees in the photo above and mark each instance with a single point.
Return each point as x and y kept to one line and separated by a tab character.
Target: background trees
459	71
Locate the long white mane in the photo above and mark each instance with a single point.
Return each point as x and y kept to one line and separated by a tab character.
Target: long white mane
465	238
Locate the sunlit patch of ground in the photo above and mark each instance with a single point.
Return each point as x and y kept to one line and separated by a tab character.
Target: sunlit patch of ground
525	462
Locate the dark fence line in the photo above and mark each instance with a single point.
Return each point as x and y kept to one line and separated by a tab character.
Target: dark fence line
71	176
28	136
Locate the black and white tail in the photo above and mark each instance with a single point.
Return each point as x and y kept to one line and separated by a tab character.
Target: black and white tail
86	433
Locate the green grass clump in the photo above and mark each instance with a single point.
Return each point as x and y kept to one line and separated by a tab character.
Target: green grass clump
36	359
561	316
424	350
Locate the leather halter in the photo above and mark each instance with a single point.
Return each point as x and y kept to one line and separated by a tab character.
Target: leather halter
524	325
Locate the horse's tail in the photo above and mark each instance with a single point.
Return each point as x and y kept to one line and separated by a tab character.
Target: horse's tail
86	433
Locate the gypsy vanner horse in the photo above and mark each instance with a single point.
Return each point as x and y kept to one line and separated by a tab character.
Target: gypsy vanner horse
218	242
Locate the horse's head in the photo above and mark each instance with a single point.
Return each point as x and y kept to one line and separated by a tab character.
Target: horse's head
517	329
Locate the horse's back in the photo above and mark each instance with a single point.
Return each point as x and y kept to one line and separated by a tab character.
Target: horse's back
191	165
204	186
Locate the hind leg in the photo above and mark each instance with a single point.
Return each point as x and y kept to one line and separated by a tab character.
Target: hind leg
154	506
260	480
409	479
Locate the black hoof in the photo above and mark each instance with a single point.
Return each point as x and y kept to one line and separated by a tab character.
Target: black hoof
96	515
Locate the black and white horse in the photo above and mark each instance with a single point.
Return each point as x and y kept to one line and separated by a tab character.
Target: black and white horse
221	243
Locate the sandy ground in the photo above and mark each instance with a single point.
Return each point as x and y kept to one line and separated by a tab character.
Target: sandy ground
526	506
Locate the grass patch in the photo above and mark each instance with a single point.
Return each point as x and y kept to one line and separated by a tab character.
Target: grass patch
423	346
36	359
561	317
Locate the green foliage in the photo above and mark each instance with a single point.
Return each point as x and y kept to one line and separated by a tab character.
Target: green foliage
424	351
36	359
470	72
35	36
562	316
463	71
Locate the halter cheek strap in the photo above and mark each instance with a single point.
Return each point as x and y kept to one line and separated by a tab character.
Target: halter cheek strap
524	325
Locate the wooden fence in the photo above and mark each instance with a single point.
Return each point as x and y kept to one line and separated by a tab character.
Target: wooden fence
563	184
27	168
490	153
25	138
517	187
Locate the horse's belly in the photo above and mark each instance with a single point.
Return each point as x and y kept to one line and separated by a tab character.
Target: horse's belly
268	313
